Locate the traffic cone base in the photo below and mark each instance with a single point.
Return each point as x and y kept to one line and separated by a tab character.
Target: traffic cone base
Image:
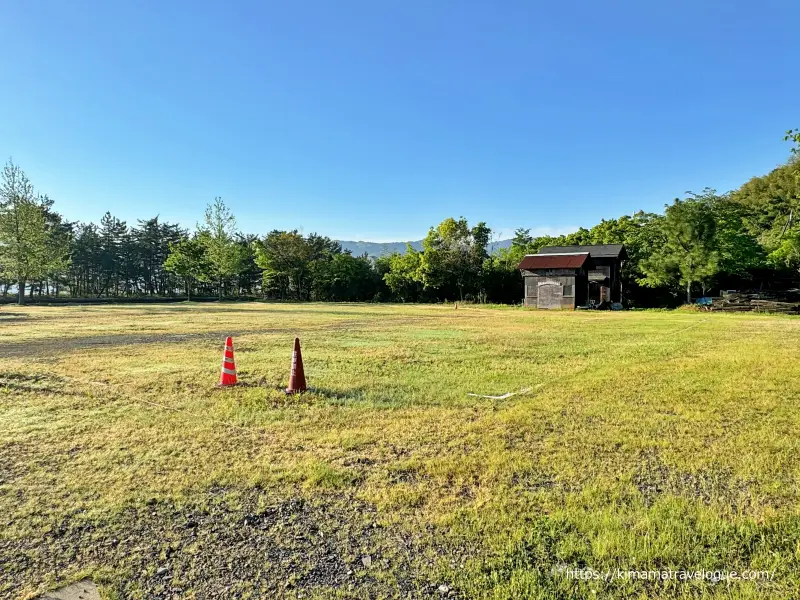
297	376
228	375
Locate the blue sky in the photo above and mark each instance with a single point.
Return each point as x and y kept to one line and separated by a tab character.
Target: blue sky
374	120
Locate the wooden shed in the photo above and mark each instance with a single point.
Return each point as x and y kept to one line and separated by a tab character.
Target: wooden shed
564	277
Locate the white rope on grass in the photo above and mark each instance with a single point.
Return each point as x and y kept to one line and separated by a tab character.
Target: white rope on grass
503	397
689	327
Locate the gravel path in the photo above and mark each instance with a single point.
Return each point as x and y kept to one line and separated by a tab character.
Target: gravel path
229	549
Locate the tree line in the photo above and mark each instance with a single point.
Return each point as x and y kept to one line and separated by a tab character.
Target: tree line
744	238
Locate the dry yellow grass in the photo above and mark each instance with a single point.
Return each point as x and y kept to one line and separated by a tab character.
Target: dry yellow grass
648	439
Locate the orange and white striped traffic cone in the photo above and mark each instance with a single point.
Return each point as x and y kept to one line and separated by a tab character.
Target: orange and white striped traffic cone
228	375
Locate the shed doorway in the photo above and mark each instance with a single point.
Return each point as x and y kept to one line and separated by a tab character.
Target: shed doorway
550	294
598	293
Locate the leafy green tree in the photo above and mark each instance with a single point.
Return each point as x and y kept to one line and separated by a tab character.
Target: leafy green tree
521	244
522	238
248	279
344	277
689	253
403	277
502	279
580	237
785	247
59	243
783	241
283	257
793	135
187	260
322	251
452	258
27	250
85	259
149	251
774	199
739	251
480	235
296	267
321	247
787	252
224	255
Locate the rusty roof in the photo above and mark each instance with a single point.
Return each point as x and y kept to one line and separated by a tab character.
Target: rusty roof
596	250
554	261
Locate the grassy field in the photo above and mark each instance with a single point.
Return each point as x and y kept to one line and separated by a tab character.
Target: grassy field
646	440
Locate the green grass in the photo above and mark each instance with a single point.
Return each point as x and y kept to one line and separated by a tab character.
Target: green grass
648	440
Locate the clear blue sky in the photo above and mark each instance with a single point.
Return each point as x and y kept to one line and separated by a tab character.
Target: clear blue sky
376	119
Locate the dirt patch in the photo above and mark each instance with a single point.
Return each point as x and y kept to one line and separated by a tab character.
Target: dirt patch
229	546
654	479
37	383
11	317
15	460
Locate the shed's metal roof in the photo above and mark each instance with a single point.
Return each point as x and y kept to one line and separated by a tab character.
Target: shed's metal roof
574	260
596	250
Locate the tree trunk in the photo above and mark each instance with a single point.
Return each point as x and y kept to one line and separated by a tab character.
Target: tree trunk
188	289
21	294
688	292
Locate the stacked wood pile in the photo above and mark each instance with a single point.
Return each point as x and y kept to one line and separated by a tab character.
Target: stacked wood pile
758	301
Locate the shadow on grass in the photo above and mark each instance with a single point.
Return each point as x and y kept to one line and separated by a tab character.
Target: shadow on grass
20	382
50	347
9	317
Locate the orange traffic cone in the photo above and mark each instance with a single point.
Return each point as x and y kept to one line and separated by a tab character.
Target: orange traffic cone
228	375
297	377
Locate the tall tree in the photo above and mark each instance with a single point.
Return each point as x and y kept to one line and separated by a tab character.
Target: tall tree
151	240
344	278
283	257
522	238
187	260
25	243
85	260
112	236
223	253
689	253
248	278
59	243
783	244
739	251
452	257
403	277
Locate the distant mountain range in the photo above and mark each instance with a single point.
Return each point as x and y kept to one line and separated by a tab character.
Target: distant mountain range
381	248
